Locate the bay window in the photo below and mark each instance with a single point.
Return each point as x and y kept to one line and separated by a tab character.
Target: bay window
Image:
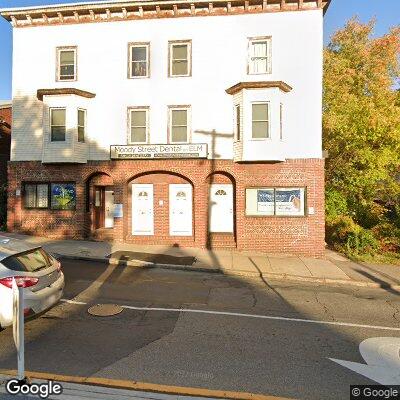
260	121
57	124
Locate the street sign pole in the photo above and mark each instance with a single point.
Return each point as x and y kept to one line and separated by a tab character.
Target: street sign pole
18	327
21	350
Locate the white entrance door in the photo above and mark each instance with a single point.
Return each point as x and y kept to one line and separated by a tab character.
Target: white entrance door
142	209
109	209
221	208
180	210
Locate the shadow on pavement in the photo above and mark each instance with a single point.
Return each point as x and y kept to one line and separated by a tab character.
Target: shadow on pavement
123	256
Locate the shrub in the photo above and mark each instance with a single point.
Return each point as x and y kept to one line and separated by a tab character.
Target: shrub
338	229
335	203
344	234
368	214
389	237
361	241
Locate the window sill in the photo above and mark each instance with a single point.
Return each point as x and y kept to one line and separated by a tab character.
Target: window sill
66	80
260	73
139	77
179	76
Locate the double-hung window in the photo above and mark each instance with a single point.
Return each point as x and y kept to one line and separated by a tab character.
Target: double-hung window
259	58
139	125
66	63
180	58
179	124
81	125
139	60
57	124
260	121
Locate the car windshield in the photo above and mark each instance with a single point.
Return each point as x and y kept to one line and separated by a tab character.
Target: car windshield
30	261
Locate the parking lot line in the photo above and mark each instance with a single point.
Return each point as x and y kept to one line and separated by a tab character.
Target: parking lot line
259	316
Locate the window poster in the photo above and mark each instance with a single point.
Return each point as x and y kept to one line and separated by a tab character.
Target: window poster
289	201
265	201
63	196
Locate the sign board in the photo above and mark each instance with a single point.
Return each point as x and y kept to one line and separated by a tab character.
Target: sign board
289	201
265	201
118	210
159	151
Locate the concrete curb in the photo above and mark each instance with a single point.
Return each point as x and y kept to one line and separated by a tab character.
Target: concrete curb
273	276
145	387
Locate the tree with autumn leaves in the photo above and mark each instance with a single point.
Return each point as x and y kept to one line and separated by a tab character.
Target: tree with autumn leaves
361	134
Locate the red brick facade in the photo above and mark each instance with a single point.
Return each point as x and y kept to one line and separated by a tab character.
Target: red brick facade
5	141
300	235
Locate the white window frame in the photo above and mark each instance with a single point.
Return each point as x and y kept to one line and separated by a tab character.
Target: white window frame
80	126
250	68
188	119
130	61
50	124
269	120
173	43
133	109
58	72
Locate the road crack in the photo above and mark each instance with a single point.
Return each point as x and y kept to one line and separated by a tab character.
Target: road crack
324	307
254	298
396	313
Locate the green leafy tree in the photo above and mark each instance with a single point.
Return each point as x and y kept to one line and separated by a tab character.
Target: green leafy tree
361	123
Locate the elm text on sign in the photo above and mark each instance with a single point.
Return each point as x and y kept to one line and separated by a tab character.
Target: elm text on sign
159	151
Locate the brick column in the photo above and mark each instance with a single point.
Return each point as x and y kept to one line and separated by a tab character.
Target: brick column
119	198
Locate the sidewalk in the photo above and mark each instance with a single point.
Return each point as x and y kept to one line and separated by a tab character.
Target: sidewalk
332	269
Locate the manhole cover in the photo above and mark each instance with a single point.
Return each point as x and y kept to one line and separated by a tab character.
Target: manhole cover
105	310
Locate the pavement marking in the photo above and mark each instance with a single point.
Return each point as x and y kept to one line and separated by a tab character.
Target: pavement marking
234	314
146	387
382	358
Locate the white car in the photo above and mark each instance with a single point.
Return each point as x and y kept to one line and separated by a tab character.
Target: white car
38	272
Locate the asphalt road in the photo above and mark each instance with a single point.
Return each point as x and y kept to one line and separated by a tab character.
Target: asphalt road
239	334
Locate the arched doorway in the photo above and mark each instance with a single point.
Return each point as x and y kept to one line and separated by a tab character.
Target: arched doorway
221	210
161	208
100	205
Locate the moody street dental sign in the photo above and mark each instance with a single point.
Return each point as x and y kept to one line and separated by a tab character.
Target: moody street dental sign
157	151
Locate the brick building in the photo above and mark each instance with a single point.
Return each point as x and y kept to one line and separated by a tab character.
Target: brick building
181	123
5	139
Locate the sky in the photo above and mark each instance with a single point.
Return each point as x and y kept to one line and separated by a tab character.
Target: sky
386	12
